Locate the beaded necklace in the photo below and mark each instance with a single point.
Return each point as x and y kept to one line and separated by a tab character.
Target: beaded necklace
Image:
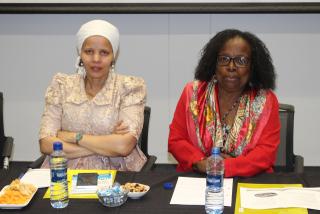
225	127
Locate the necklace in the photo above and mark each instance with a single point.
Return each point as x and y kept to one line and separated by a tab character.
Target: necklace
224	117
225	127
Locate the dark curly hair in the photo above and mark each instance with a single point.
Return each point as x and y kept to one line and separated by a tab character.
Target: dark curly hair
262	70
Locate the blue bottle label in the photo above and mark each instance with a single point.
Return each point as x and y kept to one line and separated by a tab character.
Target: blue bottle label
214	181
58	175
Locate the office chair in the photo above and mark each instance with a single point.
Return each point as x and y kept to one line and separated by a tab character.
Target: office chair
142	142
6	143
286	160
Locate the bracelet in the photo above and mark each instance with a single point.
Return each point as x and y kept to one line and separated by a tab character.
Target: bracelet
78	137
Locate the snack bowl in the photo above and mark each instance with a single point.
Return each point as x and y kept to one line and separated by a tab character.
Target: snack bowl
112	197
16	195
136	190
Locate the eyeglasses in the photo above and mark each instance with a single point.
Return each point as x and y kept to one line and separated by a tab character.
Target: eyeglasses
239	61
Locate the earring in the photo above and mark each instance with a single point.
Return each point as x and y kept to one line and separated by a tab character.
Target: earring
81	63
214	79
112	67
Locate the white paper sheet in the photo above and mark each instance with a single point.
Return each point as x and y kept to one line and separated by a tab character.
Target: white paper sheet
38	177
269	198
191	191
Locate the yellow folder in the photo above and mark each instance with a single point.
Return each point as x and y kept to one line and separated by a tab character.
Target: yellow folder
239	210
72	172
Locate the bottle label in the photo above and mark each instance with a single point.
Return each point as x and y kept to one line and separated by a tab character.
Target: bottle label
58	175
215	181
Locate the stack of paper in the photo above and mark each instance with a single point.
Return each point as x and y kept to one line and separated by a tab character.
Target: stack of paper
38	177
191	191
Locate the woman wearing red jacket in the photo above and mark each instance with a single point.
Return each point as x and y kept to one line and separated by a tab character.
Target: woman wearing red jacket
230	105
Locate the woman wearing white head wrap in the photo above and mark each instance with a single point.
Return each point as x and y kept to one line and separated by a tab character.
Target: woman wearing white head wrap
96	28
97	116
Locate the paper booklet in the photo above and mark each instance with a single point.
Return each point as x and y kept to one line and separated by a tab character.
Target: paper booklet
242	203
270	198
88	182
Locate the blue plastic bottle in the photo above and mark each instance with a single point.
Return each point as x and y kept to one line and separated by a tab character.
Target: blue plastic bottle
59	184
214	202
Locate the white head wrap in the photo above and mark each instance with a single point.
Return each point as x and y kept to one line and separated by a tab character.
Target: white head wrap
97	28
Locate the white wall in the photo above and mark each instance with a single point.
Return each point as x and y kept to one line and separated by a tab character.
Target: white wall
164	50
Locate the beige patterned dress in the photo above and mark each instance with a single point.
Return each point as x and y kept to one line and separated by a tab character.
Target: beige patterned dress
68	108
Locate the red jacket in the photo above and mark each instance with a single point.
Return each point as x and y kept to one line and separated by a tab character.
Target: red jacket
259	159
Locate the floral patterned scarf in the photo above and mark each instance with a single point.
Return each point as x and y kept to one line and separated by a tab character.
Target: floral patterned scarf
204	109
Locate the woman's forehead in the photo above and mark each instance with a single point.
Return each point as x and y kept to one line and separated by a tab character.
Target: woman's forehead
97	40
236	44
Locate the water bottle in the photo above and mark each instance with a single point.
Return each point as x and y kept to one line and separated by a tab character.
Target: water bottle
214	203
59	184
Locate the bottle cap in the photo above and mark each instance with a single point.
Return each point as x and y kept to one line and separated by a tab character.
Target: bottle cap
168	185
57	146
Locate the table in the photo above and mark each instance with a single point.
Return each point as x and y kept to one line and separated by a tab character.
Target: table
157	200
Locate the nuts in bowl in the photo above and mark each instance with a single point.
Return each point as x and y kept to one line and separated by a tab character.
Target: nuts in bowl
136	190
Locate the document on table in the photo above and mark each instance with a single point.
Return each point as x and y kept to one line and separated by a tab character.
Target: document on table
38	177
191	191
269	198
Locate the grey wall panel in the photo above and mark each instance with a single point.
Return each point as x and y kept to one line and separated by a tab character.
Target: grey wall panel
163	49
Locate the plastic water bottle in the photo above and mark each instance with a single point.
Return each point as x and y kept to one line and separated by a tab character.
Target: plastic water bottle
59	184
214	203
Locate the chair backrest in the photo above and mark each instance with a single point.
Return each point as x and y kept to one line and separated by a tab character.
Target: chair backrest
285	156
2	137
6	143
143	139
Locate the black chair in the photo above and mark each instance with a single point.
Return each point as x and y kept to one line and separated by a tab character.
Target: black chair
142	142
286	160
6	143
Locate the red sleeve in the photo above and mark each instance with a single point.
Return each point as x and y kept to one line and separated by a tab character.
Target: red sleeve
179	144
263	155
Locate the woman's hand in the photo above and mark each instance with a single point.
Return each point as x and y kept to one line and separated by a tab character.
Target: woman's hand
225	156
200	166
66	136
121	128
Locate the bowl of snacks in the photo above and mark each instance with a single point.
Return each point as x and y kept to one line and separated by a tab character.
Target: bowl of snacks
16	195
136	190
114	196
